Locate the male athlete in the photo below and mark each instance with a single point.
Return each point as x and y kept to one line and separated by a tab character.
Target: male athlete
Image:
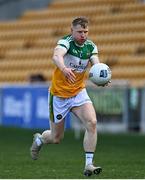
68	93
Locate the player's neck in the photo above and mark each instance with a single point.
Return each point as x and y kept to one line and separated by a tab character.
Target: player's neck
79	45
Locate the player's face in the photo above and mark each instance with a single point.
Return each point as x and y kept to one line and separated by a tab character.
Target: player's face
79	34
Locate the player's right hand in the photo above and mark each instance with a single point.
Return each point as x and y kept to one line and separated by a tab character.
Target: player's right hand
68	72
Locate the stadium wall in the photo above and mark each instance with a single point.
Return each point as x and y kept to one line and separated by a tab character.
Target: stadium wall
142	124
25	106
119	109
12	9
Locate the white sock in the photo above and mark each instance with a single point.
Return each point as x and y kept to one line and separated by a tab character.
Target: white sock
38	141
89	158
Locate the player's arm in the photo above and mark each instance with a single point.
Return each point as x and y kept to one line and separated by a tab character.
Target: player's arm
58	55
94	59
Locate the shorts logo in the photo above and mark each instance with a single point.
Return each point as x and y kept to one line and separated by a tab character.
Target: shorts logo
59	116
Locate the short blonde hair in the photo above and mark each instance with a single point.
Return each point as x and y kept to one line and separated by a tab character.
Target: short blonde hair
83	21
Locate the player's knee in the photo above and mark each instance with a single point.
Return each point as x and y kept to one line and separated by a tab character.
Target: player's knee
56	141
91	125
57	138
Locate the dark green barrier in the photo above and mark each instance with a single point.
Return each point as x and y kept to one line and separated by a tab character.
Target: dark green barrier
107	101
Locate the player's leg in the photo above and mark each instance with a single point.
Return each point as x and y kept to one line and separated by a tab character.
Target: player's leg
52	136
58	109
55	134
87	115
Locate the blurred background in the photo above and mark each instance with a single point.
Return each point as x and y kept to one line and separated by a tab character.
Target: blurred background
29	30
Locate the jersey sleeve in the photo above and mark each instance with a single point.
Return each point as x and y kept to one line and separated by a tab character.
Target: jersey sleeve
95	49
64	43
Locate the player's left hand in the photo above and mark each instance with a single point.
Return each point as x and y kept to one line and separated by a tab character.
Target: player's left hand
107	84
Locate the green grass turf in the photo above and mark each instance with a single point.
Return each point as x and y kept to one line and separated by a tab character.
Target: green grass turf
120	155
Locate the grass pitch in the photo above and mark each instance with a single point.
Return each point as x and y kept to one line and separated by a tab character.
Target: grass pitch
120	156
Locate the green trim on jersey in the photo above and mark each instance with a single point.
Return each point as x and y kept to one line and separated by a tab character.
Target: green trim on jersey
51	114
